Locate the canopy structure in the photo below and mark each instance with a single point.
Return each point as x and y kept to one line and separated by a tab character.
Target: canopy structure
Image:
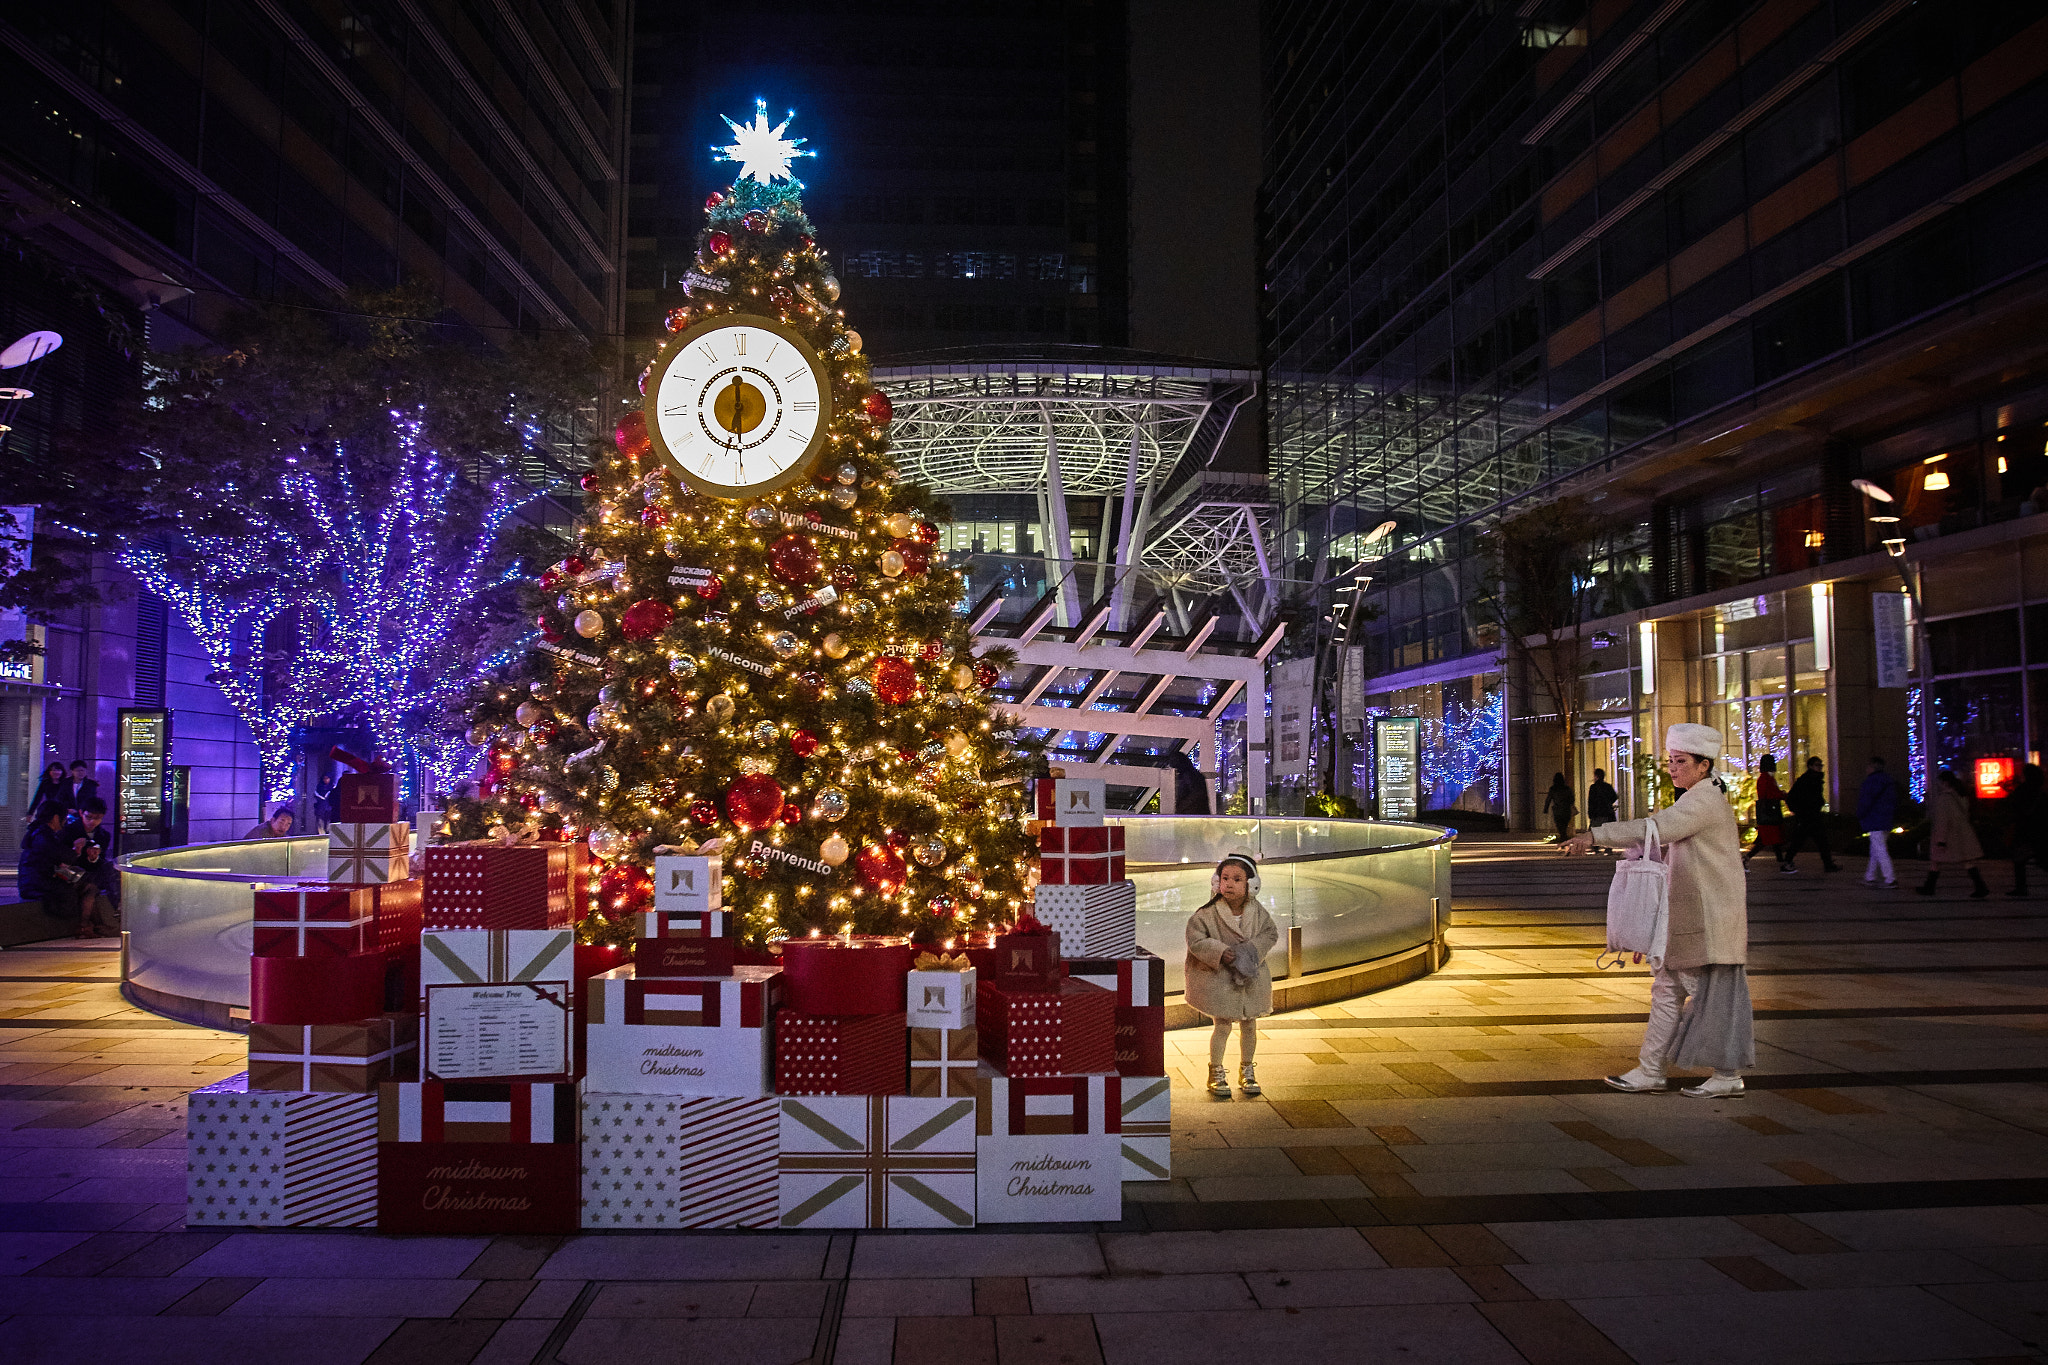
1075	421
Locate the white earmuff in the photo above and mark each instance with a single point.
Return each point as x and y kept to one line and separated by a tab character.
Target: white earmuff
1216	882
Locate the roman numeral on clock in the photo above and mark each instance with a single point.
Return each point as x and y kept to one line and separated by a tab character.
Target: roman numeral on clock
795	375
707	351
804	407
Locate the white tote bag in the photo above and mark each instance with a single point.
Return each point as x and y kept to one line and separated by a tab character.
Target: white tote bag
1639	902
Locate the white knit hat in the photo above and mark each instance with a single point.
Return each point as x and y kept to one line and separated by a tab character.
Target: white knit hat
1688	738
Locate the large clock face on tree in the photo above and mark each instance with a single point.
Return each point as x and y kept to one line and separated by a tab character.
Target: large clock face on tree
741	406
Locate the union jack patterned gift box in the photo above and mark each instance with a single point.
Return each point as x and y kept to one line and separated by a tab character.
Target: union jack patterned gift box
877	1161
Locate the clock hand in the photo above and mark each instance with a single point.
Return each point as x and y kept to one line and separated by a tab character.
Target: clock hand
733	435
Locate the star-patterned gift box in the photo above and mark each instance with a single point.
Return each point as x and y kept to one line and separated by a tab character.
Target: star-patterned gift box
679	1161
281	1159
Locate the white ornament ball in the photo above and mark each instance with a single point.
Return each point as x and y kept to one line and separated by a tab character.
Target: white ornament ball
589	624
606	842
527	713
892	565
833	851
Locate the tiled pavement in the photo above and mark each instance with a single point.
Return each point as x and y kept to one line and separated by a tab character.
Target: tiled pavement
1435	1174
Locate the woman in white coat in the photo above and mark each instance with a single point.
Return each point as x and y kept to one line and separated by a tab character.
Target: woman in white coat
1226	976
1700	1013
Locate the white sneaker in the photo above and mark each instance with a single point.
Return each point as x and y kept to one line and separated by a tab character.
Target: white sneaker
1715	1088
1636	1082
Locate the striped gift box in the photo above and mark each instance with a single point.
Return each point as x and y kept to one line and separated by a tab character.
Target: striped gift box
490	886
669	1161
705	1036
362	853
943	1061
877	1161
839	1054
1147	1128
1139	984
279	1159
312	921
352	1058
516	1112
1069	1032
1046	1105
1092	921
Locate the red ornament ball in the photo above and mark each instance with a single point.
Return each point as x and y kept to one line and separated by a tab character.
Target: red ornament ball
588	483
942	905
710	588
898	840
895	681
754	221
986	674
916	559
807	241
781	296
678	319
803	744
646	619
792	814
811	683
719	242
881	868
713	200
574	564
626	889
753	801
653	516
926	533
934	649
845	579
878	408
631	435
703	814
793	558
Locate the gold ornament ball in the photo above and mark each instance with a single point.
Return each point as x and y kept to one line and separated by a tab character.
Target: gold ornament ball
963	677
892	567
853	342
900	524
590	625
956	743
833	851
843	498
719	707
527	713
835	646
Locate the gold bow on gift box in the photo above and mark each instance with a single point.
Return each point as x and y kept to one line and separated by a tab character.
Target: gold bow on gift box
939	962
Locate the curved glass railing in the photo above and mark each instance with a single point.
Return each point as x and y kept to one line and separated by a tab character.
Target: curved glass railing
1357	890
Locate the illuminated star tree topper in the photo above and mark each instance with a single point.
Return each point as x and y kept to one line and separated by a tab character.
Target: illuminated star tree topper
763	153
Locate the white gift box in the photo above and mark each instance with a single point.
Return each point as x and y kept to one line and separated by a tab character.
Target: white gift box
1092	920
667	1161
938	999
1147	1128
1070	801
687	883
279	1158
682	1035
497	1004
877	1161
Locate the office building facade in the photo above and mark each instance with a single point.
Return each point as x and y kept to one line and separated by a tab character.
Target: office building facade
1756	286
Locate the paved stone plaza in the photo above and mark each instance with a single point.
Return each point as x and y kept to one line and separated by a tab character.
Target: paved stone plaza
1434	1174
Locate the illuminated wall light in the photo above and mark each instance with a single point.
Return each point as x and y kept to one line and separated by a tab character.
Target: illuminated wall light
1646	638
1937	481
1823	628
1815	539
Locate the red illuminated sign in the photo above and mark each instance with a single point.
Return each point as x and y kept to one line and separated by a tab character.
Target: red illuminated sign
1993	774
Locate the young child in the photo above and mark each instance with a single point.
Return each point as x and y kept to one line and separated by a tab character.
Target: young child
1227	975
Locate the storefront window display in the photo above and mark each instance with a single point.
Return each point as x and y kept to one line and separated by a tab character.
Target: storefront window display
1762	690
1463	729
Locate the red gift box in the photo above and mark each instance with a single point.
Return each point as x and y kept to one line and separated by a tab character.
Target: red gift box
366	799
1081	839
315	990
1020	962
684	943
313	920
491	886
397	914
847	976
1067	1033
1084	869
864	1054
465	1188
1139	985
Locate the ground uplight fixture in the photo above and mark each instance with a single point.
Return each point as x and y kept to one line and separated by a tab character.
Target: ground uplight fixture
1895	548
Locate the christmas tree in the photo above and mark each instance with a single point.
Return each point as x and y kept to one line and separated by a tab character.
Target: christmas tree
756	648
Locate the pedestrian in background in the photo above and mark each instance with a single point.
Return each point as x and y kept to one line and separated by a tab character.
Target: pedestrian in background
1601	799
91	846
1808	801
53	790
1877	805
2027	806
1226	973
276	827
1954	842
83	784
1700	1013
1559	805
1768	814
